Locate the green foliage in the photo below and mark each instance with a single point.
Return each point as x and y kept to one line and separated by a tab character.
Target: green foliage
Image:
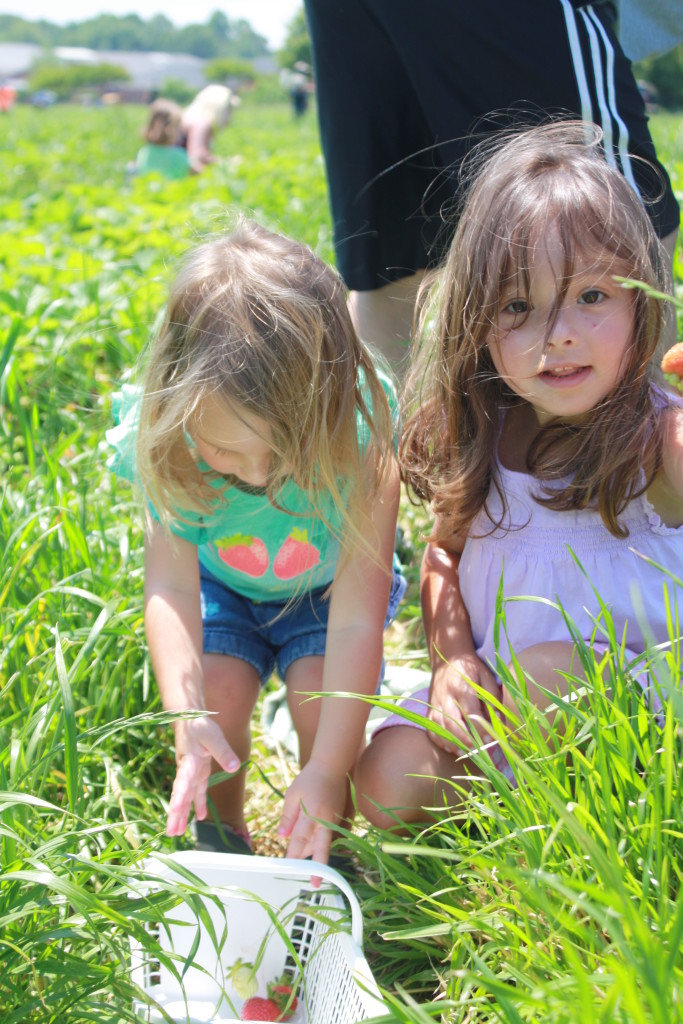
219	37
229	70
297	44
67	80
85	751
177	90
559	901
665	72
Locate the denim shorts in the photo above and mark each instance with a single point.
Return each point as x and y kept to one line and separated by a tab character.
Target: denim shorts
266	634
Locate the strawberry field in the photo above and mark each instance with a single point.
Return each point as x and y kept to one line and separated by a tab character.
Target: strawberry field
558	902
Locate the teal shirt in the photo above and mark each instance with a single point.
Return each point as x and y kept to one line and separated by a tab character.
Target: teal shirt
169	161
260	551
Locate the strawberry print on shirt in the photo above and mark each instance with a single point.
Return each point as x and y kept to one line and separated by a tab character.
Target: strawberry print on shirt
245	554
296	556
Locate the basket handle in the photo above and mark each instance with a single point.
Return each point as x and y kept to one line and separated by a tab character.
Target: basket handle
306	870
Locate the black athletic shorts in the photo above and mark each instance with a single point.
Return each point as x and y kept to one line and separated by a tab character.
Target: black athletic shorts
404	87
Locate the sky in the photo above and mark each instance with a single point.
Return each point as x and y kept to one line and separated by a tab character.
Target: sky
267	17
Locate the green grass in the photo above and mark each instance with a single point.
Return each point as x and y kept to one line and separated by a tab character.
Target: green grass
557	902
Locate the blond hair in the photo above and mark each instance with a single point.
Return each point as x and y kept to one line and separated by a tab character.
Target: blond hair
258	321
214	102
163	123
554	175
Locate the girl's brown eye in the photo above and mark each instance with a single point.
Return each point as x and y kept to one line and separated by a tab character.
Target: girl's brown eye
517	307
591	296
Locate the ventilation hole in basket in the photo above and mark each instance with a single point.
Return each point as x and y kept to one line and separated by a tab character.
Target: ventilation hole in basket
153	966
301	935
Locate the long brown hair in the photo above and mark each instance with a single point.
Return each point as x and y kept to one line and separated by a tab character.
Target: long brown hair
259	321
552	175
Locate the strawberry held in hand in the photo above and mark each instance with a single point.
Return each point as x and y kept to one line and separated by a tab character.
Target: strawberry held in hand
672	361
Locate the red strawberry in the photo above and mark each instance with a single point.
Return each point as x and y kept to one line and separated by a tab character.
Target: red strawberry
672	362
282	993
295	556
258	1008
245	554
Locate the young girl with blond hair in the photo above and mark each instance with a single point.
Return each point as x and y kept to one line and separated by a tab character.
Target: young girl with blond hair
263	442
551	456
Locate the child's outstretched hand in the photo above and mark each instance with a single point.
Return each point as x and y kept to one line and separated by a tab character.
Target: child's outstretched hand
455	704
197	741
315	793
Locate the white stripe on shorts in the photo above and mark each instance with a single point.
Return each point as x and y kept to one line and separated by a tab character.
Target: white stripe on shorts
605	88
624	154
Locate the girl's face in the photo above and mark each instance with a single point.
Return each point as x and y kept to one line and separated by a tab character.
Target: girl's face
233	442
567	369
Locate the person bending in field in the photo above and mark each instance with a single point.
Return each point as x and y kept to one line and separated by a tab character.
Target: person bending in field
160	154
264	442
540	435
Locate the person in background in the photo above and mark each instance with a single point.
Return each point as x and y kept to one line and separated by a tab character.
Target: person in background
209	111
297	82
551	454
8	95
160	154
264	444
402	95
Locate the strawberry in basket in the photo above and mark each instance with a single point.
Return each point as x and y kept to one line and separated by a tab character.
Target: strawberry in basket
258	1008
283	992
243	978
280	1004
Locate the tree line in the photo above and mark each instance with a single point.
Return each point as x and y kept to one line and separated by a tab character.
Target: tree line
219	37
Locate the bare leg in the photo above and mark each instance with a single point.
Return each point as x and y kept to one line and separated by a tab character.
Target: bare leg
405	773
305	676
409	778
384	319
545	666
232	687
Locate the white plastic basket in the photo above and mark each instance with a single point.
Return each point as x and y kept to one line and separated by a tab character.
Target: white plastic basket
256	906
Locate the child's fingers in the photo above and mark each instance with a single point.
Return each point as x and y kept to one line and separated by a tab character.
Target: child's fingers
320	842
222	752
187	788
453	717
288	818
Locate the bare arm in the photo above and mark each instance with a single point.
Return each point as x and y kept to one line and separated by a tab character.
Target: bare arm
353	659
673	454
173	627
451	647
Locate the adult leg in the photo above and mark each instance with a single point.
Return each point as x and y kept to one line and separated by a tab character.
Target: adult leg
381	167
232	688
384	319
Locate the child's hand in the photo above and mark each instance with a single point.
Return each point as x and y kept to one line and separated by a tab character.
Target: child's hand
316	793
455	704
198	740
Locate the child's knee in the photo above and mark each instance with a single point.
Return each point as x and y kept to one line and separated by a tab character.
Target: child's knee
230	685
386	794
